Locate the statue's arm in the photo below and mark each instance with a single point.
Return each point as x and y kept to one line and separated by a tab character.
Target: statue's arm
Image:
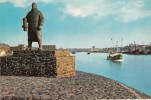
27	17
41	21
41	17
25	23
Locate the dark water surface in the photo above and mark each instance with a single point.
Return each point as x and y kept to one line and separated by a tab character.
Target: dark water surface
134	70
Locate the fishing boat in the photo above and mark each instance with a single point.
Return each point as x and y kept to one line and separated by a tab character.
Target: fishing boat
115	56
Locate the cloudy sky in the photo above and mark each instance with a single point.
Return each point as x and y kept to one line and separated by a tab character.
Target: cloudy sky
79	23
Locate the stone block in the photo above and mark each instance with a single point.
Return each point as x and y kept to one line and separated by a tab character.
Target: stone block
44	63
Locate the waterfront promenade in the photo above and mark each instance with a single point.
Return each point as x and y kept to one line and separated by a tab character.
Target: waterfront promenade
82	86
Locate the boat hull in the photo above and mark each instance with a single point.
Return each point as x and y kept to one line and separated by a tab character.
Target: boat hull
115	57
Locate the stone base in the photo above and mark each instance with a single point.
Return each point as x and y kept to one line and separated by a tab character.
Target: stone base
57	63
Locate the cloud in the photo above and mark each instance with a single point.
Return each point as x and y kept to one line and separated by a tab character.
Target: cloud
86	8
24	3
133	10
125	10
122	10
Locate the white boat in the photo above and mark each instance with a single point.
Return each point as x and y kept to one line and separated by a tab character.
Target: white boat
115	56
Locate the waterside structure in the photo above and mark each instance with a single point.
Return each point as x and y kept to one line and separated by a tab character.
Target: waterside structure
83	86
45	63
130	49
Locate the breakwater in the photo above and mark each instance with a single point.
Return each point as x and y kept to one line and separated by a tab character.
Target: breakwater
82	86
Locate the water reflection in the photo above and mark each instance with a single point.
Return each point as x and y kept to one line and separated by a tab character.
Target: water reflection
116	63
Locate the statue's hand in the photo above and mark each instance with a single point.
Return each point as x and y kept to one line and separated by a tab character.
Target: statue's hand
39	27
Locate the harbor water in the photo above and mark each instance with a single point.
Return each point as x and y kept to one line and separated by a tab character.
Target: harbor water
134	70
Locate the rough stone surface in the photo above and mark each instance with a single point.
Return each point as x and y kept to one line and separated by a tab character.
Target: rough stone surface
83	86
56	63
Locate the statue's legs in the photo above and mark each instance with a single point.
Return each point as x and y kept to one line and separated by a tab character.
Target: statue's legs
40	45
29	44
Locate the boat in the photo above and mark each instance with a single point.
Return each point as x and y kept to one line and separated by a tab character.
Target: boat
73	52
88	53
115	56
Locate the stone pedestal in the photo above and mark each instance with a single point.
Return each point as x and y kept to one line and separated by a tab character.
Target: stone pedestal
57	63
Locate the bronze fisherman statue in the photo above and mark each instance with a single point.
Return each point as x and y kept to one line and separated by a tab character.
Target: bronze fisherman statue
35	21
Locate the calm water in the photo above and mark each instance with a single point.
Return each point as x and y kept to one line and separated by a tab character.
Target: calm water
135	71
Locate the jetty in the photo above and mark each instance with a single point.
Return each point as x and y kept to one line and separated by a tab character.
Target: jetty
82	86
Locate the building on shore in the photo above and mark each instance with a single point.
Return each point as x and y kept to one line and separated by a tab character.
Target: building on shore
137	49
148	49
49	47
19	47
4	49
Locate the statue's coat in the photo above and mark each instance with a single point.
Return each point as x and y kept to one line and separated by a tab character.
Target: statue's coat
35	20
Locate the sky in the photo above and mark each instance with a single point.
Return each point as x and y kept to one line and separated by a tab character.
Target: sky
79	23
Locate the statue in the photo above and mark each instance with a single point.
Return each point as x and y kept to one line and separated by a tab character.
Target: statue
35	21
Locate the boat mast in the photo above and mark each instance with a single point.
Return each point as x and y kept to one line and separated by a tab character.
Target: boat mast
112	42
121	45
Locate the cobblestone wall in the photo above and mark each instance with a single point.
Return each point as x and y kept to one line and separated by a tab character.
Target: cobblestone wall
56	63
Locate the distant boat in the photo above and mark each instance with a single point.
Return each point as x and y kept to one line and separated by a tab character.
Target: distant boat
88	53
115	56
73	52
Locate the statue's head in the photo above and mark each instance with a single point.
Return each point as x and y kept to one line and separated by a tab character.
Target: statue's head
34	5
